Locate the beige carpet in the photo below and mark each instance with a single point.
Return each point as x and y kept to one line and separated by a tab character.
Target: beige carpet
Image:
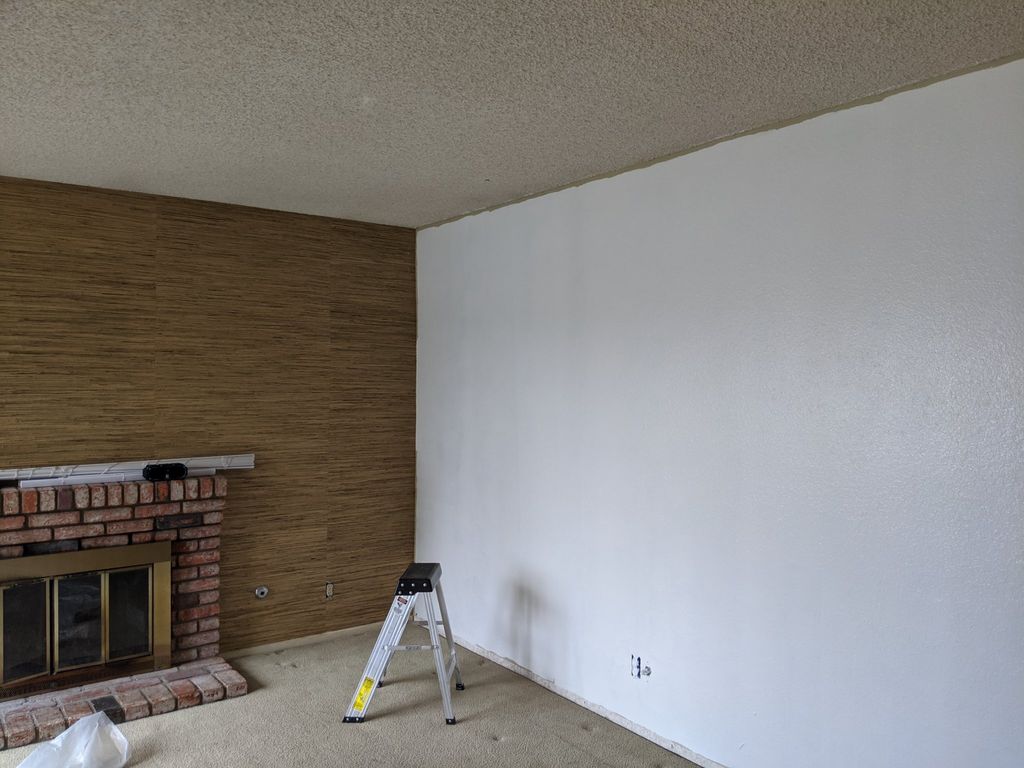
293	717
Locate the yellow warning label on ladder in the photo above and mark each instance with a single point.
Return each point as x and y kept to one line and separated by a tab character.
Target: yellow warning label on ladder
364	693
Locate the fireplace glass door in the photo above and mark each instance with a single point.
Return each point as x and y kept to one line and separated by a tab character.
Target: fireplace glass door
74	621
25	618
129	613
78	620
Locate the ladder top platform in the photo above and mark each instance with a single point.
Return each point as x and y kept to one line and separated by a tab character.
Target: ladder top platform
419	577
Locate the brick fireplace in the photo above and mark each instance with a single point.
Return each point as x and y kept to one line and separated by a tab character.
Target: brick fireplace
187	514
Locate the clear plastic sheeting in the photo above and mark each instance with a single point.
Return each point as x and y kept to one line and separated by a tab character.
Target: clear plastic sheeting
92	742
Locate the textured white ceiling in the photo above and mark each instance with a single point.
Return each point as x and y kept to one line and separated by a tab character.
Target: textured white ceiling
413	112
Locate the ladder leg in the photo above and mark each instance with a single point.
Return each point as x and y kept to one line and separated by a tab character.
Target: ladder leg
387	661
442	672
390	634
449	637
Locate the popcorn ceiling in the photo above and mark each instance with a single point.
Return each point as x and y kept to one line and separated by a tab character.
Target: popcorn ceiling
413	112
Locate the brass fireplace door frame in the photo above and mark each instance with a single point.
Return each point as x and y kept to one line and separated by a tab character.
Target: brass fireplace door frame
51	568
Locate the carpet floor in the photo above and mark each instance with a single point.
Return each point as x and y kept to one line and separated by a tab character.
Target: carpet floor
292	717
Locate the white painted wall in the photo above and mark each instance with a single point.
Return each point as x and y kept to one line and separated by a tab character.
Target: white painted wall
756	413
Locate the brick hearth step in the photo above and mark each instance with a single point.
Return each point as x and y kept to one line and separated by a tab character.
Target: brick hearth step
40	718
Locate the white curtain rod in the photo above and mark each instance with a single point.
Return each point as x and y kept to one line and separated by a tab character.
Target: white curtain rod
118	471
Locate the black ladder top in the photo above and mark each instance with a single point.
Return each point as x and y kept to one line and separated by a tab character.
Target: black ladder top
419	577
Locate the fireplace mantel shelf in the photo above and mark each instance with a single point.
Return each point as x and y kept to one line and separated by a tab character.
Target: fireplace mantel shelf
121	471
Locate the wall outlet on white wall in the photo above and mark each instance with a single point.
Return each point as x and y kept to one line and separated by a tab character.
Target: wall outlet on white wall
637	669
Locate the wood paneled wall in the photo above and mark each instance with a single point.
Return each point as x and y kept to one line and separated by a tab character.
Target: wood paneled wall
134	326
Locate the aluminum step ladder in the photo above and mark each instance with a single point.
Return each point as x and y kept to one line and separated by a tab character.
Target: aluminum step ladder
418	579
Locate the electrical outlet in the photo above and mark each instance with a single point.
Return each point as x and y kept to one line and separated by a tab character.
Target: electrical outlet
637	669
329	590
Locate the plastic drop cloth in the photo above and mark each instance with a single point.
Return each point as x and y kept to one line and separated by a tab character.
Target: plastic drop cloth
92	742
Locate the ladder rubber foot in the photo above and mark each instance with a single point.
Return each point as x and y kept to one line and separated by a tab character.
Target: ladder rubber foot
380	683
449	721
460	687
353	719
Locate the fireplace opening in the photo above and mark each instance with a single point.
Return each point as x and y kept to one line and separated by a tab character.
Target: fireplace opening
62	624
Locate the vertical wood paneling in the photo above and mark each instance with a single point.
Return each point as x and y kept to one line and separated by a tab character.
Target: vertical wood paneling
135	325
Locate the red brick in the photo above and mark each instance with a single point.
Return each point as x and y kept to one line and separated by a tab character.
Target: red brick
19	729
77	531
161	491
145	493
47	499
168	522
158	510
177	490
49	722
98	495
201	612
211	543
25	537
154	676
130	685
7	553
234	684
205	625
201	532
213	518
105	541
134	704
199	585
184	546
29	501
183	671
199	558
65	498
185	693
191	488
206	598
209	686
206	505
131	493
142	538
184	574
115	495
217	664
81	496
220	485
203	666
209	651
12	522
170	535
106	515
32	702
50	519
11	503
205	571
186	628
186	654
129	526
198	638
160	699
88	692
205	487
74	711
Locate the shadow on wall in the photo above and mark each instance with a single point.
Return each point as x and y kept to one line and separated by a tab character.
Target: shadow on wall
528	617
